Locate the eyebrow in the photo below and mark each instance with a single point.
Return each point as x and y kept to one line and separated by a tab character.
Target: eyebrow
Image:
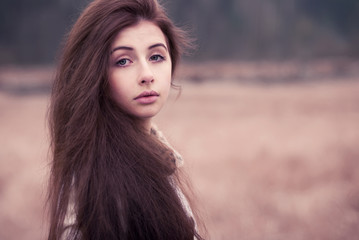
131	49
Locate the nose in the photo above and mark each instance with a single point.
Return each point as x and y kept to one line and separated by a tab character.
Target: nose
146	74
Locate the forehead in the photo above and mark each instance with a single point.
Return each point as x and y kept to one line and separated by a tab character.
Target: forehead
143	33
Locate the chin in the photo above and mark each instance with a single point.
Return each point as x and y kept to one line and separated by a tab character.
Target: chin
148	114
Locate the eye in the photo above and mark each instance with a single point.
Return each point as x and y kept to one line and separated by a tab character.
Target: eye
123	62
157	58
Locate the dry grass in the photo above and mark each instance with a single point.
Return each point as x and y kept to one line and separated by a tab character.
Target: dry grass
268	161
278	162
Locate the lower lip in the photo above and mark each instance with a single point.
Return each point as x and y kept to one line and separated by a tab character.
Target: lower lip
147	100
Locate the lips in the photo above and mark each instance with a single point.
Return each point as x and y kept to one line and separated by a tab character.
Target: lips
147	97
147	94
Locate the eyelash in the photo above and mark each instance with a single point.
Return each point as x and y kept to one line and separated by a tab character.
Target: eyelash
161	58
123	59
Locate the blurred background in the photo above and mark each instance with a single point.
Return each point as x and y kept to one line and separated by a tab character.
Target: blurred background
267	121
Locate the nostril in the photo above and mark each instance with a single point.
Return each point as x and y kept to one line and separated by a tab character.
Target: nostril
147	81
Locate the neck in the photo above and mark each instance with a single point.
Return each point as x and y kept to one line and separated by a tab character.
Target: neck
146	124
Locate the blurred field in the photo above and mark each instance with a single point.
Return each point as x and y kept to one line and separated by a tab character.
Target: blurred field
269	161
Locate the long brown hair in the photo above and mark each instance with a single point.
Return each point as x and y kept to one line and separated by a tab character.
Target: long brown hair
118	174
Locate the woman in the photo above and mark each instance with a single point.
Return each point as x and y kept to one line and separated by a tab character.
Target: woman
114	176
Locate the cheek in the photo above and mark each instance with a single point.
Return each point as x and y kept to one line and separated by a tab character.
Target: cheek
116	87
168	74
167	80
113	84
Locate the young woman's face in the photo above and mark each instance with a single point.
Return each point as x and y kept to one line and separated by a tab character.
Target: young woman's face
140	70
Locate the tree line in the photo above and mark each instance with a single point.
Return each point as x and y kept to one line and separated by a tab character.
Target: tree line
31	32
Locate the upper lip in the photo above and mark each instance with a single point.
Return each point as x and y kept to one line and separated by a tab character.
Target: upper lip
147	94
